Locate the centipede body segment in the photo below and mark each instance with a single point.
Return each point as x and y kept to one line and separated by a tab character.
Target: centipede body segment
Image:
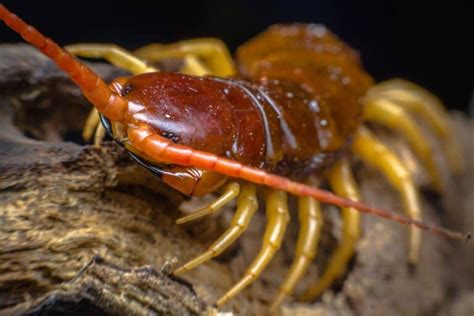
293	106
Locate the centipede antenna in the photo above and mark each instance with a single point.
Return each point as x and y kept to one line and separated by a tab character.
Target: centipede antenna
330	198
323	196
409	221
159	147
93	87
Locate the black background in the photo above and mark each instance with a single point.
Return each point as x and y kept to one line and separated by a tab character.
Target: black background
430	43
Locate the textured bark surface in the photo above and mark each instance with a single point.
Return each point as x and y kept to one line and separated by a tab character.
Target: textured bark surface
84	230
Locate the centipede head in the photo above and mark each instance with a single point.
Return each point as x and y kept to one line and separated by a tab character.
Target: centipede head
187	110
169	112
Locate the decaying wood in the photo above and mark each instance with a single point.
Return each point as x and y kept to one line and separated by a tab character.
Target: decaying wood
85	230
102	288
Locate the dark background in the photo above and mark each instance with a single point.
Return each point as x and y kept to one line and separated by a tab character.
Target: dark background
430	43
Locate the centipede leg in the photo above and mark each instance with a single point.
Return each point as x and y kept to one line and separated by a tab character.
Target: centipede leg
376	154
92	122
192	64
247	205
343	184
422	103
311	221
230	192
212	52
277	221
388	113
93	128
113	54
99	135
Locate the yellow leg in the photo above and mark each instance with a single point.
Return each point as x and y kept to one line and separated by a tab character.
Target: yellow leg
99	135
193	66
91	124
277	221
421	102
376	154
230	192
388	113
114	54
247	205
92	127
311	221
344	185
211	51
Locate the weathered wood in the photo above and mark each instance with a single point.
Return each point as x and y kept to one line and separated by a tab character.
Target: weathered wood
105	289
78	225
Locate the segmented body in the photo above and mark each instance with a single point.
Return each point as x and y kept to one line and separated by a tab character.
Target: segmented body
293	110
312	57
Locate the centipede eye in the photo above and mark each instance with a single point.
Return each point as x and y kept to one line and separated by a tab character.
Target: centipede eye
126	89
171	136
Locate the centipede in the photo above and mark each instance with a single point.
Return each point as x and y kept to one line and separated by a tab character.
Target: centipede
292	107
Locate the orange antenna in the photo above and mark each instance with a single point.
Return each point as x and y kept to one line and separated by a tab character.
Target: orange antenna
144	140
110	104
